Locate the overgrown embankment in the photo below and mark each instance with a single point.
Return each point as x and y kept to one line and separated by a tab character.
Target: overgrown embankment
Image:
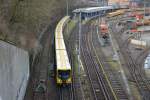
23	21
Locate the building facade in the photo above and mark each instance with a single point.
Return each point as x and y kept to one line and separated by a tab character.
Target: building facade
139	3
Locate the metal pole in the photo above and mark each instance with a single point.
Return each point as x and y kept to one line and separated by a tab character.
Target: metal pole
143	19
98	2
79	42
144	8
67	6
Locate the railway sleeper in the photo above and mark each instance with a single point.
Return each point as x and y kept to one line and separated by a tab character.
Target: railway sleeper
124	98
116	84
118	89
115	81
112	76
120	92
96	85
97	90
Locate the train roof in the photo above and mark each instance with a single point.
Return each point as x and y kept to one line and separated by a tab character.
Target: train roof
62	60
60	45
59	27
61	53
92	9
58	31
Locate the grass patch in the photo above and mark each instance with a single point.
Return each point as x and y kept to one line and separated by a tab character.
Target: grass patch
134	91
114	64
70	26
75	62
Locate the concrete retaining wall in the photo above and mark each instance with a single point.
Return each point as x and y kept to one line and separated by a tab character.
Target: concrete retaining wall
14	72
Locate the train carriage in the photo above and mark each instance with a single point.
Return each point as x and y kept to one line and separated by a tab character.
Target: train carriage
116	13
63	71
138	43
63	67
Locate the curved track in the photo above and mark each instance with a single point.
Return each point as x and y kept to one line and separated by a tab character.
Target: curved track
112	78
70	44
141	82
67	92
141	57
100	88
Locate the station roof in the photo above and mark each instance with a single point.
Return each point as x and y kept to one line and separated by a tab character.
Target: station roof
92	9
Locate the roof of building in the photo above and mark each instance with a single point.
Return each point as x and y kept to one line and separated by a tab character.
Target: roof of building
92	9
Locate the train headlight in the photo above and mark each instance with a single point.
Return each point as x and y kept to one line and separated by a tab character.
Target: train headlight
69	80
59	80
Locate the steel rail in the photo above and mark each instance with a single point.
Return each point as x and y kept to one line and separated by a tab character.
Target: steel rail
89	61
114	87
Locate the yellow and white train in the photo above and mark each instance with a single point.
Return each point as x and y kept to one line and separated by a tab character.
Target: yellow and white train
116	13
63	66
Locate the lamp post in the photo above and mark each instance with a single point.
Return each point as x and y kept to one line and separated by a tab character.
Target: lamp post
67	7
79	48
144	8
143	18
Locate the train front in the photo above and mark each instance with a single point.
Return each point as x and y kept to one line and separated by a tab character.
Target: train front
64	77
63	72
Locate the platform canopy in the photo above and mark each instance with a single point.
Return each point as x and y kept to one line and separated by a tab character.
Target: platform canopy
92	9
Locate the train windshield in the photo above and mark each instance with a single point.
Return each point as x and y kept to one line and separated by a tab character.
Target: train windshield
64	74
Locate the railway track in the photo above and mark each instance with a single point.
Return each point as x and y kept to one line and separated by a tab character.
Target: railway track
99	86
141	57
113	79
76	85
70	42
40	71
65	93
133	67
139	79
74	91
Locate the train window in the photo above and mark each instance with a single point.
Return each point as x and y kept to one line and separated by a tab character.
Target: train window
64	74
97	13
